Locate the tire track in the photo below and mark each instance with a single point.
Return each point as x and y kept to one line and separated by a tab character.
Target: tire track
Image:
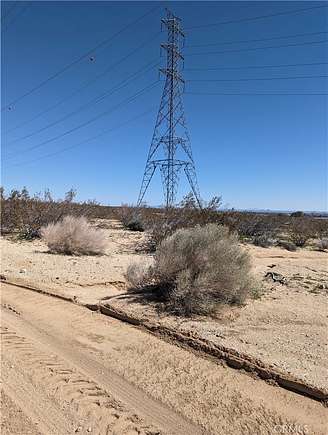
101	412
135	367
92	398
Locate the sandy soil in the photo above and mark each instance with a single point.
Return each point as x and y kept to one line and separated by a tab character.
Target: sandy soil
285	328
89	373
13	419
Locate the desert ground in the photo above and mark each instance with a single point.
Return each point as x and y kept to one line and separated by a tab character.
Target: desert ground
91	373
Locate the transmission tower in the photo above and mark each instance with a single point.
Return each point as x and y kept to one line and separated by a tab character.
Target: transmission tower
170	148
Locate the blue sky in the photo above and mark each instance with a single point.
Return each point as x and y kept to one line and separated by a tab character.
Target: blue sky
257	151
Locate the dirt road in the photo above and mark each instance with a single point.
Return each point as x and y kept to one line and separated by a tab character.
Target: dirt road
66	369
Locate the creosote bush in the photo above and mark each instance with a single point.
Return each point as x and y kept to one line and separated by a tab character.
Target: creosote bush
196	269
73	236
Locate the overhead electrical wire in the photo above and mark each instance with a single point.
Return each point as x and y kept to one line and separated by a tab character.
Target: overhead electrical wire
254	66
86	83
253	93
258	48
84	124
258	17
9	10
14	18
90	103
80	58
85	140
258	78
256	40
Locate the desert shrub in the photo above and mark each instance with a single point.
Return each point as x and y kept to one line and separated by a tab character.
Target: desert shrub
286	244
251	225
131	217
25	215
301	230
263	240
160	225
322	244
73	236
136	274
297	214
196	269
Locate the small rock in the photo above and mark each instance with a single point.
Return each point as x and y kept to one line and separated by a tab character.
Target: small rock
22	271
2	278
89	429
78	429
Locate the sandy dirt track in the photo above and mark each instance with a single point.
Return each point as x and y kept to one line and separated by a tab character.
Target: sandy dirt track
87	372
286	328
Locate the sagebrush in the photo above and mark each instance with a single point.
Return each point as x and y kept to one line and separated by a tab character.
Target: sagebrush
196	269
74	236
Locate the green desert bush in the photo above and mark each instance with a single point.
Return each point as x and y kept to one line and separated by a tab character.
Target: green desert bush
196	269
73	236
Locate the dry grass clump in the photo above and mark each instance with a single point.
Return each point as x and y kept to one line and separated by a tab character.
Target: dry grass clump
197	269
73	236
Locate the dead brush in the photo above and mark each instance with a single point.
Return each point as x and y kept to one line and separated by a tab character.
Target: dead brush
73	236
25	215
162	224
196	269
131	217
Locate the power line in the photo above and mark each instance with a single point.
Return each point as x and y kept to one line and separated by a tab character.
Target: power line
95	100
260	78
126	101
85	140
9	10
255	66
87	83
80	58
259	17
257	40
258	48
14	18
252	93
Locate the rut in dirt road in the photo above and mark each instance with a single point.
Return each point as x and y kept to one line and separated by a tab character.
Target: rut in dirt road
104	414
152	385
65	373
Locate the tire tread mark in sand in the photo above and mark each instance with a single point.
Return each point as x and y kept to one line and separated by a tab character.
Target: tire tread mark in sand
104	414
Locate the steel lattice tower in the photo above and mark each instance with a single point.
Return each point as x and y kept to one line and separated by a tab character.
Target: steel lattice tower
170	134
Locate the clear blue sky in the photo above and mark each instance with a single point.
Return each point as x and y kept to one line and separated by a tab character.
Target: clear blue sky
257	151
